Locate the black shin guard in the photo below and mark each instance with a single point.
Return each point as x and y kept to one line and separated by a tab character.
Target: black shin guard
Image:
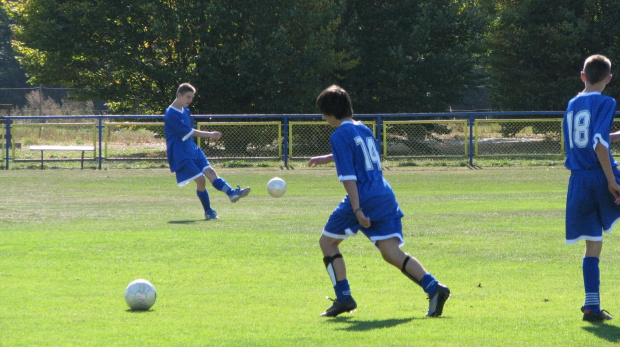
329	260
403	269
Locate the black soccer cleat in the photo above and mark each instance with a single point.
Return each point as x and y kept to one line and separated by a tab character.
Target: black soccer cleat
590	316
437	300
339	307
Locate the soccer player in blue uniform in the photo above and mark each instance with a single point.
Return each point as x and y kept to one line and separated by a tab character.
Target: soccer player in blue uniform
593	191
186	159
369	206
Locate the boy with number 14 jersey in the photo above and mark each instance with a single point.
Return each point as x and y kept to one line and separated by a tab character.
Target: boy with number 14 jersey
369	206
359	160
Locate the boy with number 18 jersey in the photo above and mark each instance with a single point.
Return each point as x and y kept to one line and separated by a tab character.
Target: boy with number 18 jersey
593	190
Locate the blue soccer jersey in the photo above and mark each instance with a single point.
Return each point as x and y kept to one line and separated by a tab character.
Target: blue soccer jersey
590	207
356	157
181	147
587	122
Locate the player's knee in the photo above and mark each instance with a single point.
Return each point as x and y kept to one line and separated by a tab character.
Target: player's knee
328	244
210	173
392	256
327	260
200	183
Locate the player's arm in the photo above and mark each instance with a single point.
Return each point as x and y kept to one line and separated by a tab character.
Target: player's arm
602	153
351	187
321	160
614	137
207	134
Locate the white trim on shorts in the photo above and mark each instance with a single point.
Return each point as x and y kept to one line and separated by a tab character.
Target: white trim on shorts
386	237
593	238
348	232
585	237
374	240
181	184
611	226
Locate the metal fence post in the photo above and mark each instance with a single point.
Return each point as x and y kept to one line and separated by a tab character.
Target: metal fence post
285	141
471	140
100	126
7	143
379	137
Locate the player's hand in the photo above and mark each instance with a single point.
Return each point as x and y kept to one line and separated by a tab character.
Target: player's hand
362	219
216	135
614	189
320	160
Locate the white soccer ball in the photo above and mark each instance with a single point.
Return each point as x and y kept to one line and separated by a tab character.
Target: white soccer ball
276	187
140	295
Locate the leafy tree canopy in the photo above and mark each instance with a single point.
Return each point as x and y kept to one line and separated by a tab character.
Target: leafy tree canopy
537	49
11	74
252	56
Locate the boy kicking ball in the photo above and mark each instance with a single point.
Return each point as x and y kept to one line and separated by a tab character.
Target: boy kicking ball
186	159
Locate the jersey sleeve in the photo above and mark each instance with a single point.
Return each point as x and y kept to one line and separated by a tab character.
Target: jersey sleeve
343	157
602	126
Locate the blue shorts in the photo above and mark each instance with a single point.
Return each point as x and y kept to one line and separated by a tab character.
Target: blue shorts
341	226
590	207
192	170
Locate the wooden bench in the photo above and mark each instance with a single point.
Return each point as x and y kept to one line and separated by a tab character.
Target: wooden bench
62	148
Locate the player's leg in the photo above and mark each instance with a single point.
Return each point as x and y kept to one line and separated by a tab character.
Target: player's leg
411	267
334	263
590	209
336	269
203	196
192	171
591	281
220	184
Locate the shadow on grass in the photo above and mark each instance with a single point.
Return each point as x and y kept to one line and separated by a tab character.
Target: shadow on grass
604	331
185	221
358	325
139	311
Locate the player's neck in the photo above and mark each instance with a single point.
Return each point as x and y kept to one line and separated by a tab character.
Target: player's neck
177	104
594	88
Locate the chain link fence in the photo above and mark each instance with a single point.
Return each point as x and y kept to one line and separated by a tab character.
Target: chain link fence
425	139
521	138
123	141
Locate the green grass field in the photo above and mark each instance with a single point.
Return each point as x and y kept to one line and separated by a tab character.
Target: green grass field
71	241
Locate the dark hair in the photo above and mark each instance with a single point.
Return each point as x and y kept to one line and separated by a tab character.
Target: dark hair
336	102
596	68
185	87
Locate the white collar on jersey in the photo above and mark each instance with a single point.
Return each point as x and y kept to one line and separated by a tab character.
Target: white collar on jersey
174	108
355	122
588	93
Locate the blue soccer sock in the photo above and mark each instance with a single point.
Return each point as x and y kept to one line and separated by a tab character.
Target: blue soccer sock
592	283
221	185
429	284
204	200
342	289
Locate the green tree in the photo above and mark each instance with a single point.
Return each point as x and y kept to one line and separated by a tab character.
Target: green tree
244	56
537	49
11	74
415	56
271	57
